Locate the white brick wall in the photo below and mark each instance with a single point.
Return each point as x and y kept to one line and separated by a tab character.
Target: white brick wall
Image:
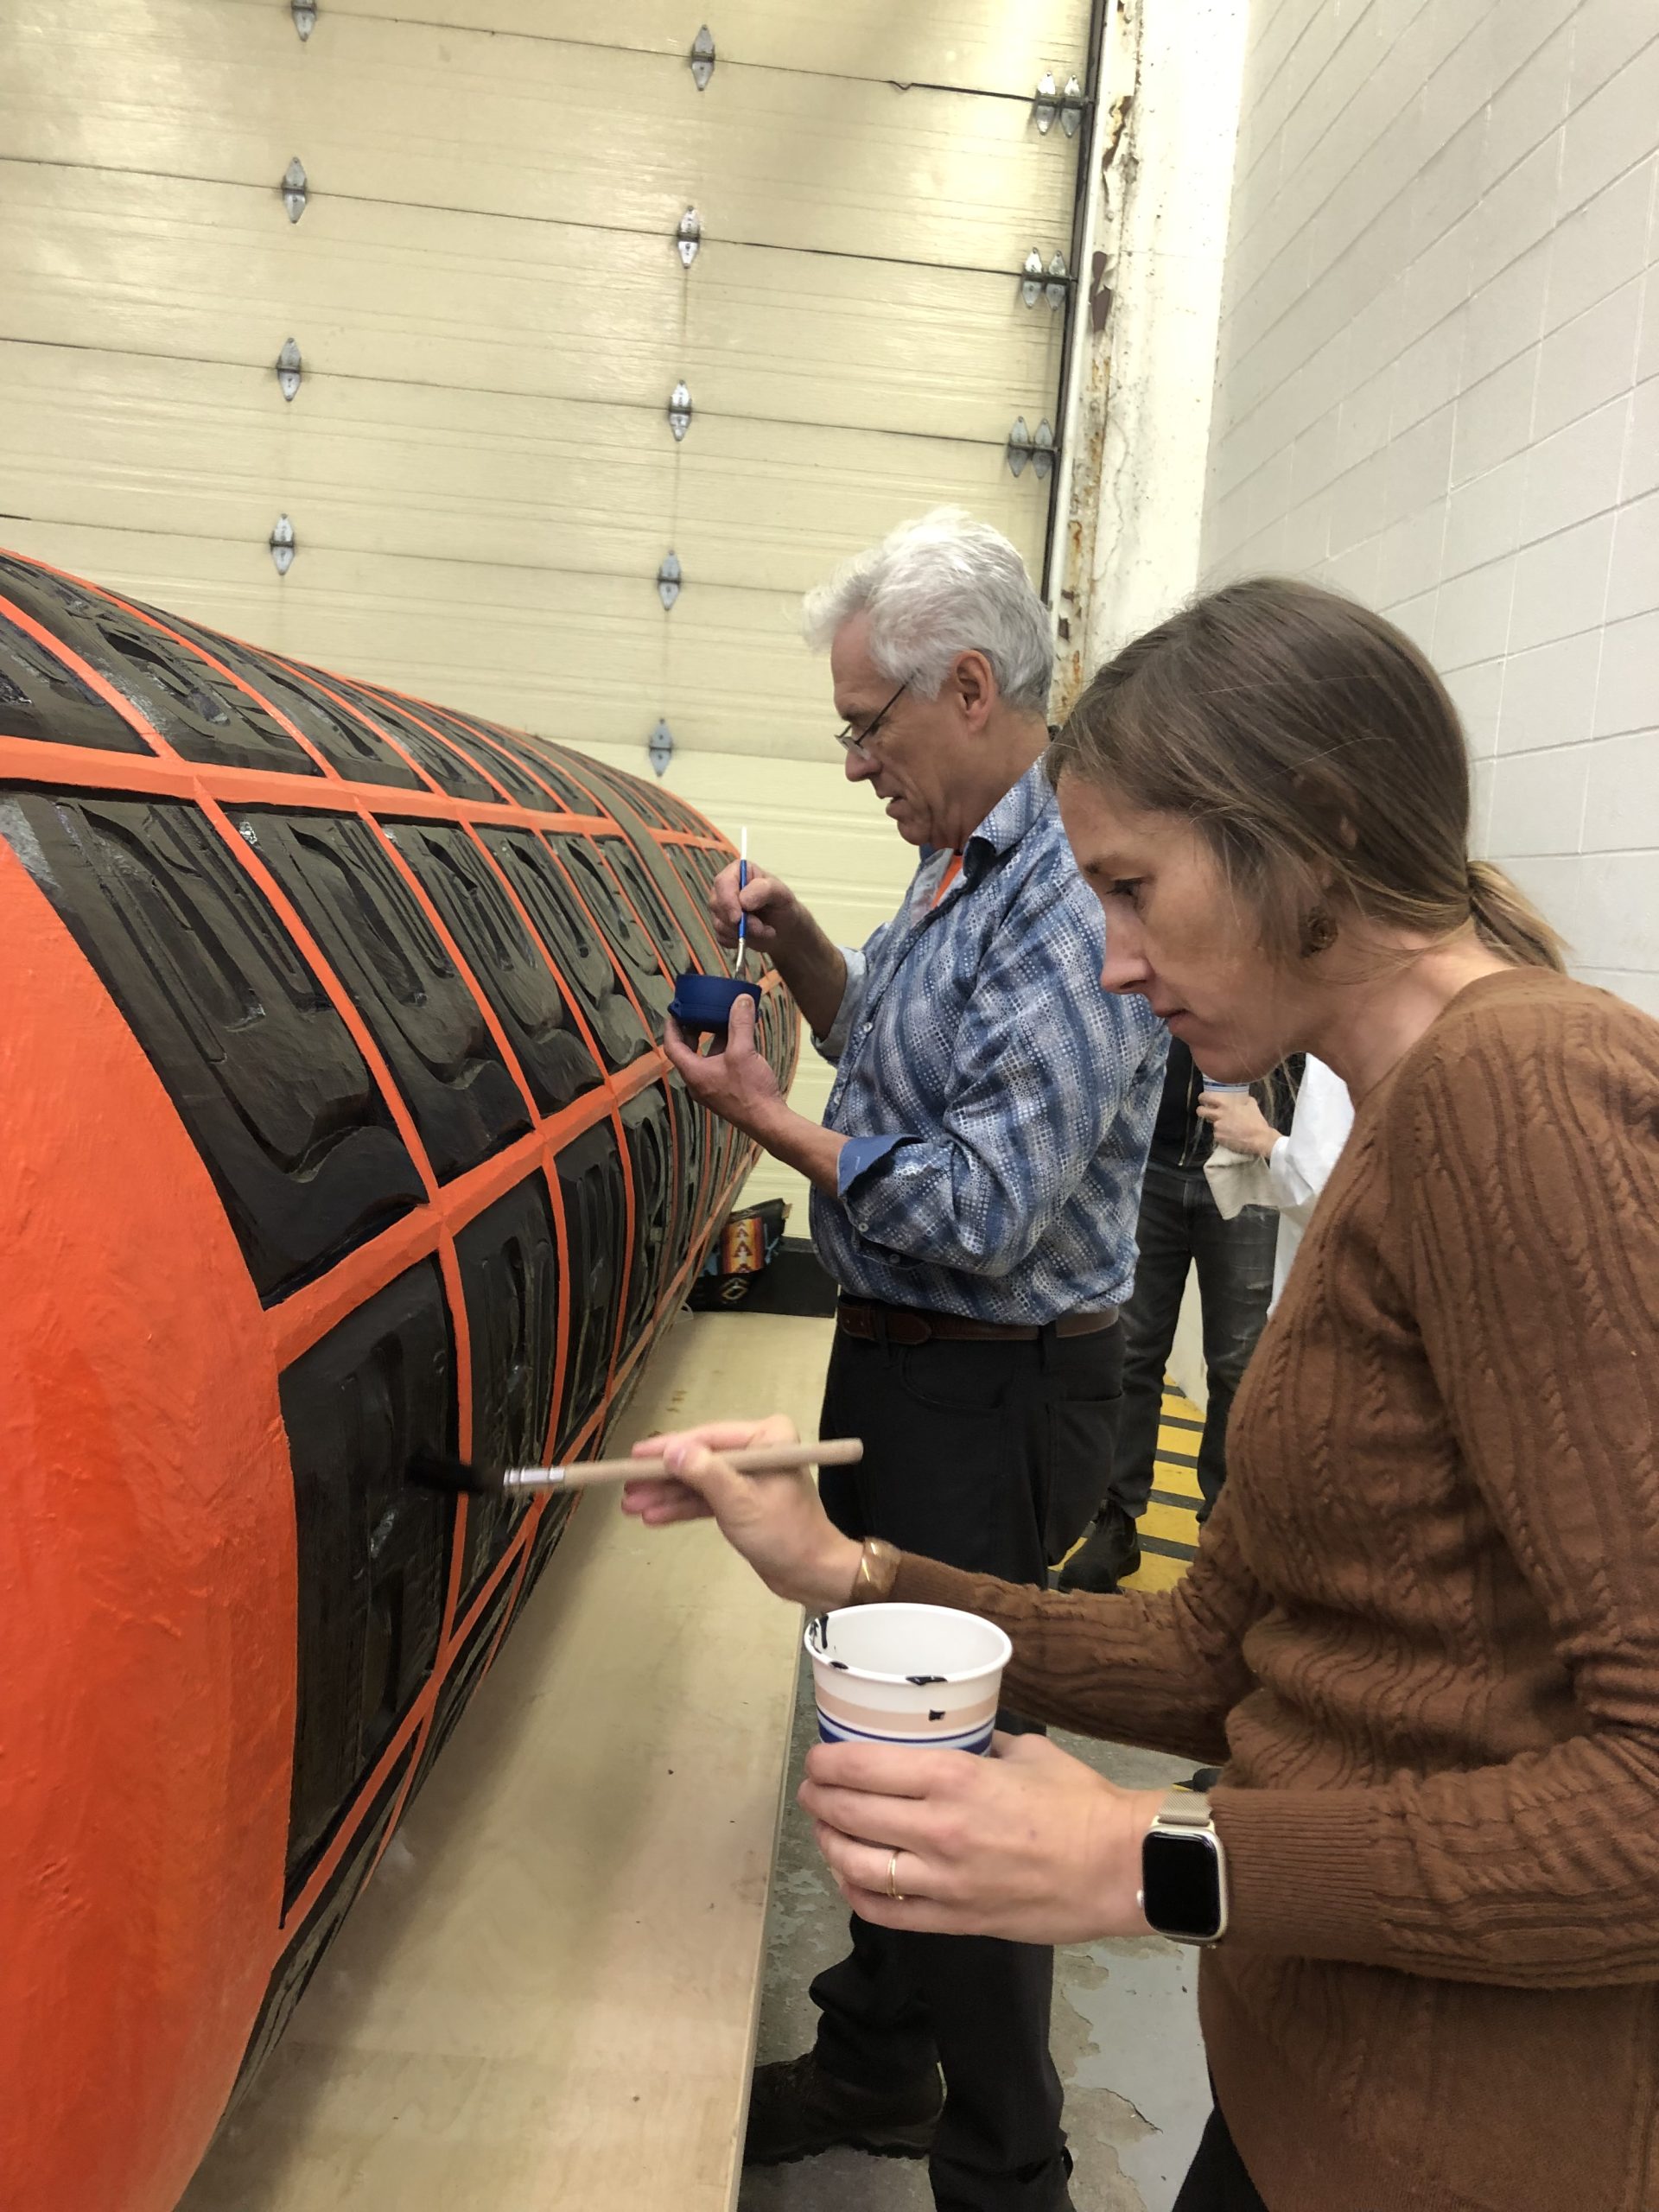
1438	388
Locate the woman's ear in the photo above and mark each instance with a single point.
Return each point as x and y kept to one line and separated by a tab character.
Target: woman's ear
1328	807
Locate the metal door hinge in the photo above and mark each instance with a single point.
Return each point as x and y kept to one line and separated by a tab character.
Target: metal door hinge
679	411
669	577
1069	105
1036	284
702	58
282	547
289	368
295	190
690	235
660	747
305	16
1036	447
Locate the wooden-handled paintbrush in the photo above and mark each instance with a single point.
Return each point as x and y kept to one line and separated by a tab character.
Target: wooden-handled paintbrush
432	1471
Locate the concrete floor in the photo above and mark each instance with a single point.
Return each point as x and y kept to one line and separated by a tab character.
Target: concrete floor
1125	2035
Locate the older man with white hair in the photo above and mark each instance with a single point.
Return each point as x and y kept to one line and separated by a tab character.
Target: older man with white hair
975	1187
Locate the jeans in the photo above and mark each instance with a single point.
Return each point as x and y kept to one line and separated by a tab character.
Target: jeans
1181	1226
988	1456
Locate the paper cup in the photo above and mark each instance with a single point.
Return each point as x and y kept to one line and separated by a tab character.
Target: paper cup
912	1674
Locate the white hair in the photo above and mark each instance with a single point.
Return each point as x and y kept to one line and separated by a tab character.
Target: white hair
937	588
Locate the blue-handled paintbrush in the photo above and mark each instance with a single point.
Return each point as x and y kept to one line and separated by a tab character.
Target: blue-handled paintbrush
742	918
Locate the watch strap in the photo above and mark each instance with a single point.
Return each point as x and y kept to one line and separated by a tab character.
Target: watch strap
1185	1809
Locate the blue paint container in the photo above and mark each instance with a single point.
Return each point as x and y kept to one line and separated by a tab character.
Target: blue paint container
703	1004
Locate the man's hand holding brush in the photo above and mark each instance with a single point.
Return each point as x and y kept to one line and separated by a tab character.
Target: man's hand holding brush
775	1521
765	902
778	924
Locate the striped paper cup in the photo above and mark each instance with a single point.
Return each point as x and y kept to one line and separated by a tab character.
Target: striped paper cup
913	1675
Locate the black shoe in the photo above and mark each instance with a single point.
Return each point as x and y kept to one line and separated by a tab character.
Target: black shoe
1110	1551
796	2109
1204	1780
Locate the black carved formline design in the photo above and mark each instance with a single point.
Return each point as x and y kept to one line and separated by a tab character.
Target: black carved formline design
402	975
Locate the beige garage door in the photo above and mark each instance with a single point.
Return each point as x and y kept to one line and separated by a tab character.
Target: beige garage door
492	310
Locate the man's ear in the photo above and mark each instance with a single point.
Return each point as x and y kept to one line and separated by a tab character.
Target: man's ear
975	686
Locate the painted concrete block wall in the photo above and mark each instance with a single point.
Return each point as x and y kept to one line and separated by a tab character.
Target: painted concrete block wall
1438	388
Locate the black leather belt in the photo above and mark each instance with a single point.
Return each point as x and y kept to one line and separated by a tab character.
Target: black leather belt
869	1320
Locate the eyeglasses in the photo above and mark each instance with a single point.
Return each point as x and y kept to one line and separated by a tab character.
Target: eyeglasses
850	740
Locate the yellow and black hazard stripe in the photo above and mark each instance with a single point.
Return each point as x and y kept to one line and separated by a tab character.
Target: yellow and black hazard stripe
1169	1528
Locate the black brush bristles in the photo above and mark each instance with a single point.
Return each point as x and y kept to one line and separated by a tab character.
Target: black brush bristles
454	1478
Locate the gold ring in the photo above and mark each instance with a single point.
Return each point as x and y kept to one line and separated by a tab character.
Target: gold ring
894	1890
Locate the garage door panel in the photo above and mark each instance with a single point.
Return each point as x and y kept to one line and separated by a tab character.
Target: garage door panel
491	311
399	110
200	450
817	338
987	48
785	508
572	657
199	271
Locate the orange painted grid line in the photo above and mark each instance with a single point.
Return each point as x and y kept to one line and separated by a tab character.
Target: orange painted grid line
432	1229
30	760
416	1722
307	674
200	652
246	859
615	958
306	1315
598	1059
429	788
480	732
168	771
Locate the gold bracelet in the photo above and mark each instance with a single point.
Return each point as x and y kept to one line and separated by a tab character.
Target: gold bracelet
878	1565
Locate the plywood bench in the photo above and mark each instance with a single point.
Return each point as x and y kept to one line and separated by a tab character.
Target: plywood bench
547	1997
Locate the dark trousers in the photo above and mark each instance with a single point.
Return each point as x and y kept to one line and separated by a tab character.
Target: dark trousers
989	1456
1180	1227
1216	2180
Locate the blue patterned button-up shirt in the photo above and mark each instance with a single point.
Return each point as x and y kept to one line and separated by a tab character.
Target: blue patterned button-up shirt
997	1102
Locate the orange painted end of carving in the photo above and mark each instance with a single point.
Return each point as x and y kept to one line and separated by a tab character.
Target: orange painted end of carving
147	1607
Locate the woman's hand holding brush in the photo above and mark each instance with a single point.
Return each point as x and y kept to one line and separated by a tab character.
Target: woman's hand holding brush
774	1521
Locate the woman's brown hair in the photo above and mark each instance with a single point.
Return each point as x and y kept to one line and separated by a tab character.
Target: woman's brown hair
1313	746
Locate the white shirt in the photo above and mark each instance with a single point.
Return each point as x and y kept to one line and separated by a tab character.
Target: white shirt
1299	1165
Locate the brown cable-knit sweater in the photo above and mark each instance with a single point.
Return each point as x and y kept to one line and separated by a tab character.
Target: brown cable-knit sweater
1422	1635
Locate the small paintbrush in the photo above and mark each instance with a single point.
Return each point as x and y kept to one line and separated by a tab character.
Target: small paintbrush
434	1471
742	918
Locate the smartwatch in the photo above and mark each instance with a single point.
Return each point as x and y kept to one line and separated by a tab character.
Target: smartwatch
1183	1872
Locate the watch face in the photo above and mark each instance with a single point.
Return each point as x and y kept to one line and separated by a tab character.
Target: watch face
1181	1879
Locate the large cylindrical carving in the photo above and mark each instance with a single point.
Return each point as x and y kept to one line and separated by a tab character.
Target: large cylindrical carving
335	1128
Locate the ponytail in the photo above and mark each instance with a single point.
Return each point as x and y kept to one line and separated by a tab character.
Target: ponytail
1509	922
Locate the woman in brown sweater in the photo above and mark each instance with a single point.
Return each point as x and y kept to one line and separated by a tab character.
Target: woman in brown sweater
1421	1636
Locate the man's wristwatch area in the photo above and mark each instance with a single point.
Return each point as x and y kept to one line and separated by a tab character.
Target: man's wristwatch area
1183	1872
